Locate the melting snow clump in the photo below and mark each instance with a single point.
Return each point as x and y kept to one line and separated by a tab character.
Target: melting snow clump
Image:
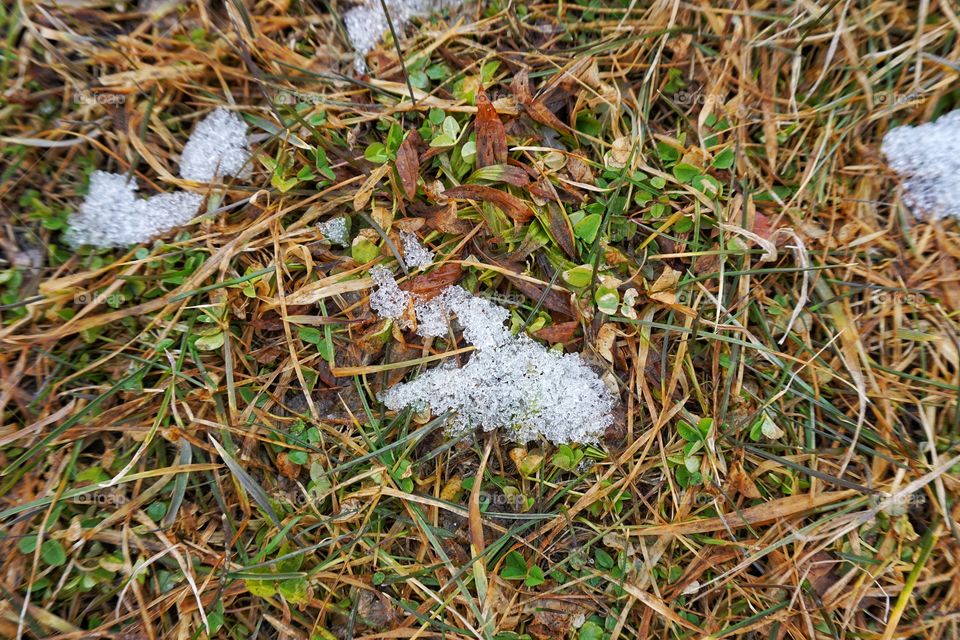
113	216
389	300
217	147
510	381
415	255
366	23
927	157
335	231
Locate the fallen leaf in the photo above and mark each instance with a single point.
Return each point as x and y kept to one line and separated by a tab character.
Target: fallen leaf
739	481
491	137
509	204
520	87
408	164
561	332
430	284
362	197
665	288
619	154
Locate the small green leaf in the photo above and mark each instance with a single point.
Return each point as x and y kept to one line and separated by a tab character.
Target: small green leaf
52	553
261	588
587	228
534	577
376	153
442	140
451	127
687	432
27	544
578	277
590	631
514	567
298	457
209	343
724	159
685	172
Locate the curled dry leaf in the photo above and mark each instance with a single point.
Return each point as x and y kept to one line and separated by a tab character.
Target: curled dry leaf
408	164
491	136
561	332
509	204
619	154
428	285
665	288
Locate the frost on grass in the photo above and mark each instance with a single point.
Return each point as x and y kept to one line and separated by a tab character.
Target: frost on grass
510	382
415	255
366	23
113	216
927	157
217	147
335	231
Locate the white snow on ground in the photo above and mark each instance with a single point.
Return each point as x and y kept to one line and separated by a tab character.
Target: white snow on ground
510	382
217	147
415	255
927	157
335	231
366	23
113	216
389	300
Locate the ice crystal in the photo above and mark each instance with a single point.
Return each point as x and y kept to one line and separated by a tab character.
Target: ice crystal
217	147
415	255
113	216
335	231
389	300
510	382
366	23
927	157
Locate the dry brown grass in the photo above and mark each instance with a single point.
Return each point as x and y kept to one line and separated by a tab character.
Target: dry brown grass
844	526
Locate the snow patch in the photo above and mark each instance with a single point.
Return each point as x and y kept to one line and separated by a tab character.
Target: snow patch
415	255
217	147
366	23
927	157
335	231
389	300
113	216
510	382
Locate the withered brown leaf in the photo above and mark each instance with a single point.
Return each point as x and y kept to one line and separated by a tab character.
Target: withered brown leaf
408	164
511	205
491	136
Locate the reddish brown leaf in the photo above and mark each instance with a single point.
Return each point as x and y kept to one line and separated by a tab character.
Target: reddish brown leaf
408	164
511	175
554	300
444	218
430	284
511	205
561	229
491	137
539	112
561	332
520	87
